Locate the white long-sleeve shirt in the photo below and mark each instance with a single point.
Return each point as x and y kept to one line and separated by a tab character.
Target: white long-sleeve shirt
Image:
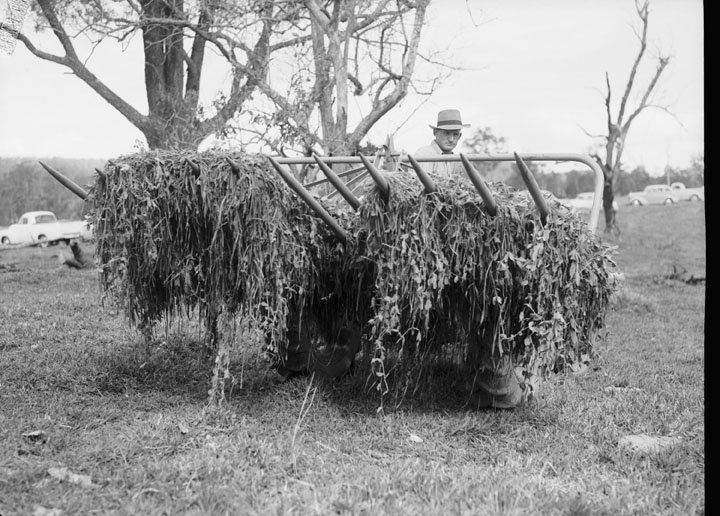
449	169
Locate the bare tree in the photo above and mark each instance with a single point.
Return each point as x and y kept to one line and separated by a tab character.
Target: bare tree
366	49
177	34
618	124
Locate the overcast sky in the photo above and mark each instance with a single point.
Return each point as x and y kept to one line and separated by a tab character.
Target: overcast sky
533	71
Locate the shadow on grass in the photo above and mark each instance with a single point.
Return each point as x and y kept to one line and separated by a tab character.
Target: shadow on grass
441	388
178	365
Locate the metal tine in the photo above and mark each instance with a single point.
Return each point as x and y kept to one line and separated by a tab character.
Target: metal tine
533	187
233	166
424	178
293	183
480	185
194	166
101	173
377	177
338	183
66	181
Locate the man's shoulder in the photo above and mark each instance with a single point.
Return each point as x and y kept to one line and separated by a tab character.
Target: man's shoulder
427	150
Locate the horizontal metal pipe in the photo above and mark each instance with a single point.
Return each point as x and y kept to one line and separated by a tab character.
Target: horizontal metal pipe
424	178
66	181
299	189
480	185
557	157
338	183
533	188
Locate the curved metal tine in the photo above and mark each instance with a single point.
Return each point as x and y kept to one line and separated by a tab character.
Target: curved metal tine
194	166
424	178
233	166
337	183
66	181
377	177
480	185
309	200
533	187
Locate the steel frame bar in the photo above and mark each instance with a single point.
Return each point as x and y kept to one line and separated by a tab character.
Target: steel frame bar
356	179
338	183
339	174
309	200
578	158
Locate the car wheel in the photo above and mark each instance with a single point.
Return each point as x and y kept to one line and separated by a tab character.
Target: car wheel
669	201
694	198
5	241
43	241
635	202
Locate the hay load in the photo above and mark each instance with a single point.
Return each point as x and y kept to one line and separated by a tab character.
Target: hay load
171	239
452	277
420	279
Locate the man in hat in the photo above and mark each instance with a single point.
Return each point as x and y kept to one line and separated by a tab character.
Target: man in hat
447	133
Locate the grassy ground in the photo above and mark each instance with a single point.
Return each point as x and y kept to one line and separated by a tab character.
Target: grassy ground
93	423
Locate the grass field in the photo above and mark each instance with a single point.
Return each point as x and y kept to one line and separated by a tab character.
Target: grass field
91	422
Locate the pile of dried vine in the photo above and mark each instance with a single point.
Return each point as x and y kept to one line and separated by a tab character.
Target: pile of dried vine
448	272
171	239
420	273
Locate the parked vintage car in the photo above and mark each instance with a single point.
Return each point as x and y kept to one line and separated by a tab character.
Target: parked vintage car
583	202
653	194
688	194
43	228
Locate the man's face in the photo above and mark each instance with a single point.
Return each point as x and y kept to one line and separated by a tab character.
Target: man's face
447	140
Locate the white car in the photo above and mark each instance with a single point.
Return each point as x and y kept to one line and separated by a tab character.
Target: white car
584	201
654	194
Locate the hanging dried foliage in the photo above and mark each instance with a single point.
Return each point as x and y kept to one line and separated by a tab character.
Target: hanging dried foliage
448	272
420	274
171	239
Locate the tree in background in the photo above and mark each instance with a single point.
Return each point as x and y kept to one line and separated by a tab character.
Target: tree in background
361	49
618	124
484	141
302	57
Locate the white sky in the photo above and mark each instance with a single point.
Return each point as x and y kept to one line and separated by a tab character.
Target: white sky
533	71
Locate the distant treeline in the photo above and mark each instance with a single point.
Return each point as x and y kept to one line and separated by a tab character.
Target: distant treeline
26	186
569	184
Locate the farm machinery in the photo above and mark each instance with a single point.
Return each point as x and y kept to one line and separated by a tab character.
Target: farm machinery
394	270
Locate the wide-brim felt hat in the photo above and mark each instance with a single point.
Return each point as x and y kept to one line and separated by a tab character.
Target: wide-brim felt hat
449	120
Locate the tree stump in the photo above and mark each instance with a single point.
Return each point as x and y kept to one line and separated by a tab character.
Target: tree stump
78	259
